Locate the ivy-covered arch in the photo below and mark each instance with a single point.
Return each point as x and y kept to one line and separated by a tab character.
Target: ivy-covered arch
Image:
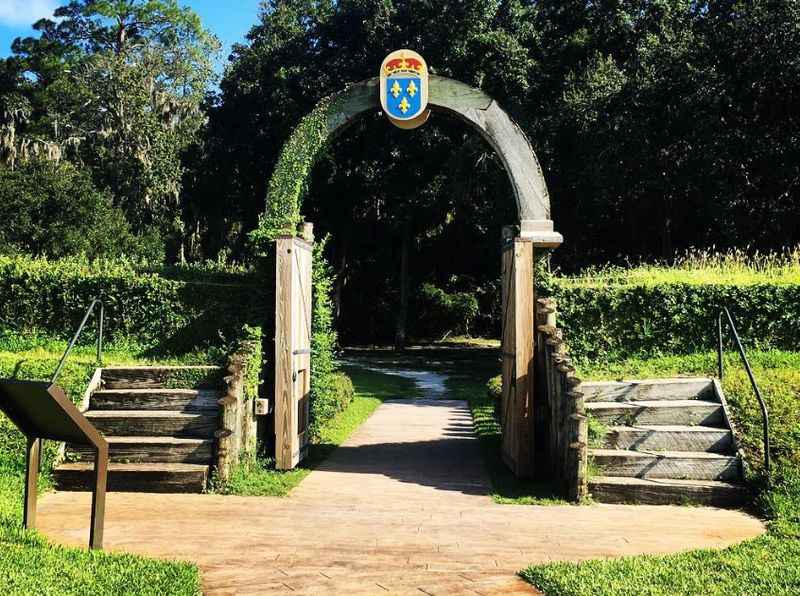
332	115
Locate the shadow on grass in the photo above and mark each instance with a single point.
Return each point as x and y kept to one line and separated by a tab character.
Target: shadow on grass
506	487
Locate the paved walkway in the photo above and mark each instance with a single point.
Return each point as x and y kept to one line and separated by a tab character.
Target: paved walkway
401	507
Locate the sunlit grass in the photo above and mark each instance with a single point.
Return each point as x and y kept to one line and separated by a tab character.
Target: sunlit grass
734	267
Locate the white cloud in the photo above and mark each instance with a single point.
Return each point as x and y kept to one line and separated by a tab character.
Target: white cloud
25	12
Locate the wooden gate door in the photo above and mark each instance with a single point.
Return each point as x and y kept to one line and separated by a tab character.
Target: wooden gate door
292	348
516	412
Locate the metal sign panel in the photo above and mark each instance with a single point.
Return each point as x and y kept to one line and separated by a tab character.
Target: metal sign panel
42	410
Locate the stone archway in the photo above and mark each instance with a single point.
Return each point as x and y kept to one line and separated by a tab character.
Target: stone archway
287	186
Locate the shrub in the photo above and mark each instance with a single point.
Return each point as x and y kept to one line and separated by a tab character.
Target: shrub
447	311
324	394
147	309
606	321
494	388
54	210
344	391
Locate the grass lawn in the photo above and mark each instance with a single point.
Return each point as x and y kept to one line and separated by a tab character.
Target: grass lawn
766	565
732	268
258	477
29	564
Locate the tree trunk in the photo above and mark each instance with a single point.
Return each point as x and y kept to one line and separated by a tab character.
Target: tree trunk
402	312
341	281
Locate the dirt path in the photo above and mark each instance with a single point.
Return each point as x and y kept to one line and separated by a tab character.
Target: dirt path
401	507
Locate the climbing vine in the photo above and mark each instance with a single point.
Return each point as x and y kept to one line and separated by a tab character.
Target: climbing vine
289	182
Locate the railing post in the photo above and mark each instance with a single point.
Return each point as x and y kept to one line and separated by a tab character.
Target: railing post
761	404
720	365
71	344
100	334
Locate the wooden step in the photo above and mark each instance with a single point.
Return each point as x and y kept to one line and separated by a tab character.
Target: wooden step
649	390
184	400
669	438
647	491
682	465
153	423
685	412
159	377
149	450
151	478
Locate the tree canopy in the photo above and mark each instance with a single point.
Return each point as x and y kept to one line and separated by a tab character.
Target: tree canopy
116	86
660	124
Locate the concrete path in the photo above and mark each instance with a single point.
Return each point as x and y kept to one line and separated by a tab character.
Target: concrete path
401	507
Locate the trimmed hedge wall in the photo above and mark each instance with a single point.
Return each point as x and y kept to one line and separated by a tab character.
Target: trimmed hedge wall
612	321
171	315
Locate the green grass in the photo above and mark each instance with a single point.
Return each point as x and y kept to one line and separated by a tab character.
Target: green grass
766	565
29	564
700	267
256	476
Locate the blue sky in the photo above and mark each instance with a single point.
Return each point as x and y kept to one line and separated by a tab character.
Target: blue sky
229	20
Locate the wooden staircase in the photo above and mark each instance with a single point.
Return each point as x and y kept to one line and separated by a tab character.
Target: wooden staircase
160	423
667	441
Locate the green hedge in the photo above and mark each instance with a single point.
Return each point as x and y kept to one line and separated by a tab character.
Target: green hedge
145	308
616	321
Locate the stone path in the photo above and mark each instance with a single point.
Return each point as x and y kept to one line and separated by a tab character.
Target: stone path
401	507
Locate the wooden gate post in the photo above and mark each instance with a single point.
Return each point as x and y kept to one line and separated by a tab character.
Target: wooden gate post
518	353
292	346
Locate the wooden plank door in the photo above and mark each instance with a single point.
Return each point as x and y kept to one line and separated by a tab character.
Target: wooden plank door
292	349
516	410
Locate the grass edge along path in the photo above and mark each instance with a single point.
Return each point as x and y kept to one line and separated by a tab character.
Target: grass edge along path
507	489
255	476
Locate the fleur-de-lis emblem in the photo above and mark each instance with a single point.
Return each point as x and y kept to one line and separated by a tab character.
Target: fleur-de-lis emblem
404	88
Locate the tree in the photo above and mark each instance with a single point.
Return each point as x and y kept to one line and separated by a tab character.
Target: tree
118	85
54	210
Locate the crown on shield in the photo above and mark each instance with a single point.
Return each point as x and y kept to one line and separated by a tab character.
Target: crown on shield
404	65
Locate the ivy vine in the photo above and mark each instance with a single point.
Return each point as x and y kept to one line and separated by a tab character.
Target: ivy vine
289	182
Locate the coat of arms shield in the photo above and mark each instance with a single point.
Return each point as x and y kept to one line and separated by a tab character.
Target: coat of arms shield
404	88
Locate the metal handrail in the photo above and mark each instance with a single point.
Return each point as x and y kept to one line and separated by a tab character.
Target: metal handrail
740	347
71	345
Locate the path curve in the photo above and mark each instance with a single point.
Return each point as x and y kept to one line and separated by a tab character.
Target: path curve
401	507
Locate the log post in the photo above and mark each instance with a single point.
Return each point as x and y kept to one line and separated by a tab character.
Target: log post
228	435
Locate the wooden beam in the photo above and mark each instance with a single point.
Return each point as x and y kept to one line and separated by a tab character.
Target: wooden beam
286	449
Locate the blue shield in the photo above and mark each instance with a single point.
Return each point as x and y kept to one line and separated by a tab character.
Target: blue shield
404	96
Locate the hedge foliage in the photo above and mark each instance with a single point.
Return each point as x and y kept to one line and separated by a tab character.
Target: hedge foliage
325	400
447	312
145	308
606	321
